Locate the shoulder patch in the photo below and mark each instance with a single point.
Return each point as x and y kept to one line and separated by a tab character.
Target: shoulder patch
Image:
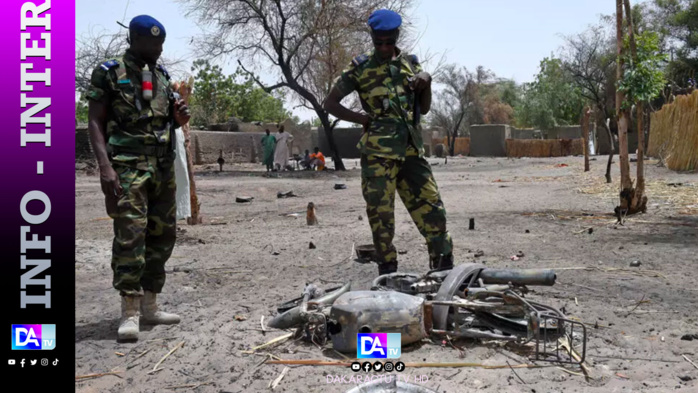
413	59
360	59
163	70
109	64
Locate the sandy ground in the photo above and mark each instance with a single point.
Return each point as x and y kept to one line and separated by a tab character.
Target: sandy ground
537	206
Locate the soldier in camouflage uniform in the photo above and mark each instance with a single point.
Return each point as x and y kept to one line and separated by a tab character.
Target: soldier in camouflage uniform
137	170
393	90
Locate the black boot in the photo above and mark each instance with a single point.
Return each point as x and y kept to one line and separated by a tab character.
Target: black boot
387	268
443	262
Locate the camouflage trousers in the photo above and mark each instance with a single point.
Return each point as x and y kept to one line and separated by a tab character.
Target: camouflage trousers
144	228
414	182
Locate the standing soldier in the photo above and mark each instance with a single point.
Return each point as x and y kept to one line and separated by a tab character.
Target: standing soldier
131	111
393	91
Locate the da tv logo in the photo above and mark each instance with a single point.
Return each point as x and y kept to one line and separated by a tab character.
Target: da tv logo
33	337
378	345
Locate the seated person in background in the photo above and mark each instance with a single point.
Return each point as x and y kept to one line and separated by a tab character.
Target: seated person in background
305	161
317	160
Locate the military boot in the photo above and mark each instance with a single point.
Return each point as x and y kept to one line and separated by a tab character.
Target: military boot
387	268
128	326
442	262
150	315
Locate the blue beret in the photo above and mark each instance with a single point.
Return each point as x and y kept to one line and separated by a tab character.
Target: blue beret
146	25
384	20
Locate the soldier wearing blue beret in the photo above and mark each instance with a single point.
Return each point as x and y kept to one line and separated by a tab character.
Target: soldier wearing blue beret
394	91
132	117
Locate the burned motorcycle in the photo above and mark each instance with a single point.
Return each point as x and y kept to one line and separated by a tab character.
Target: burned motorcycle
468	301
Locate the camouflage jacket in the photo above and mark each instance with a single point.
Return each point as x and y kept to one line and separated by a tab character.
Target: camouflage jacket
133	122
386	97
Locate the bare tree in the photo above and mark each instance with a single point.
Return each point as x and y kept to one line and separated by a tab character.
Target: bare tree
306	43
589	58
452	107
466	98
96	46
93	48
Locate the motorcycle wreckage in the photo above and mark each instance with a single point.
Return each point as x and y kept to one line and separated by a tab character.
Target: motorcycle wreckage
469	300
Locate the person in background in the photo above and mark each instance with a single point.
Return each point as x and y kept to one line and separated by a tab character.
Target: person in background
305	162
281	154
317	160
268	145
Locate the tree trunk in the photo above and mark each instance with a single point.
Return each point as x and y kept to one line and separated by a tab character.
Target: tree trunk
336	158
626	185
607	127
292	83
193	199
585	131
449	136
638	202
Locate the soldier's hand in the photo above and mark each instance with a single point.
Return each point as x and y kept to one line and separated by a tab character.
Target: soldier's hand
365	122
181	112
111	186
421	81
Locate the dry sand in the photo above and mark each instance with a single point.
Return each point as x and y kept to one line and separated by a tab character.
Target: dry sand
221	271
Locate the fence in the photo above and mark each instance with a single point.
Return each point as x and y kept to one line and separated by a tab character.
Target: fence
544	147
461	145
674	133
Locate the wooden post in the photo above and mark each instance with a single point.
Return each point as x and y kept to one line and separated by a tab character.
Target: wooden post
185	91
585	132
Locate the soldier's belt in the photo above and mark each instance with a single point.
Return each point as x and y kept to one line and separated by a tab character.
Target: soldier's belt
153	151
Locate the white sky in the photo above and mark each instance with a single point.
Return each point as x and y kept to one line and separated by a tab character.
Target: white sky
510	37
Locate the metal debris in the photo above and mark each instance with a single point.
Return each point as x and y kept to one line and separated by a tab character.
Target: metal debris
467	301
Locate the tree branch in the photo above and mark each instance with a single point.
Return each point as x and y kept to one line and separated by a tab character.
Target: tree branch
268	89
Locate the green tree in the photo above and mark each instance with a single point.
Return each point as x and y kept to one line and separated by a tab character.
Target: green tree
643	78
217	97
552	99
509	92
81	110
676	22
470	98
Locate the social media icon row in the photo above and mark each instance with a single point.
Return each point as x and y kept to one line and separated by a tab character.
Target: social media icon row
378	366
32	362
